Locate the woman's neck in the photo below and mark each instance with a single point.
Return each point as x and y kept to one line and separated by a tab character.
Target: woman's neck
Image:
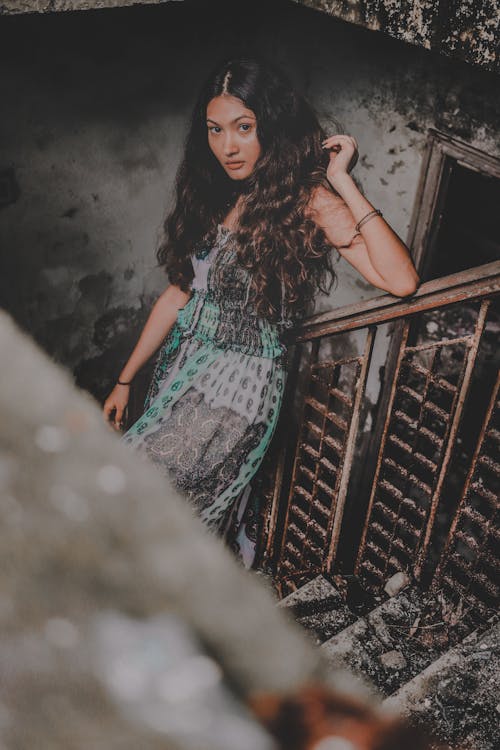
231	218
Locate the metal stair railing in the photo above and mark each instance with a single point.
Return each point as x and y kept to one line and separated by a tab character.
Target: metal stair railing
307	471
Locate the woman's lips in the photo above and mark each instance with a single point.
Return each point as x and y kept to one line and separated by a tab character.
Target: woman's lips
235	165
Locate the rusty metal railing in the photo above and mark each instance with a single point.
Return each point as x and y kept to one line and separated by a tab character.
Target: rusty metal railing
428	389
469	572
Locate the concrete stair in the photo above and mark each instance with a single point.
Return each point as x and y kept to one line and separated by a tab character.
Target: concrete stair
319	608
410	659
459	693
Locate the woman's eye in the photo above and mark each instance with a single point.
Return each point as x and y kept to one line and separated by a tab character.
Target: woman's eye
214	128
246	126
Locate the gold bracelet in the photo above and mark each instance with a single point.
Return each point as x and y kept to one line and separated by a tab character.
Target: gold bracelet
366	218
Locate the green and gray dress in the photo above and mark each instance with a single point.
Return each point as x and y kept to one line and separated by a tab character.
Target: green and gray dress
215	395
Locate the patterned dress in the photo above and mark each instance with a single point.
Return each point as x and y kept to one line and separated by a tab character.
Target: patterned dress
216	392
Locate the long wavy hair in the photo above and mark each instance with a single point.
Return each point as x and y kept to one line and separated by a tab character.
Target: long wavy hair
287	255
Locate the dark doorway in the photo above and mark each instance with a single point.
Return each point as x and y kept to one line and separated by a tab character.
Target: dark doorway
469	231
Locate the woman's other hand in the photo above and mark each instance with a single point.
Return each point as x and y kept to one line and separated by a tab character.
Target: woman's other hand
117	401
343	155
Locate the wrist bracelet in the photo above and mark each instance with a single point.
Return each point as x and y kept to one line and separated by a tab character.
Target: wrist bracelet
375	212
120	382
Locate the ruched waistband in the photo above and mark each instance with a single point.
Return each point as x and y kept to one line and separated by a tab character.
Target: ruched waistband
206	319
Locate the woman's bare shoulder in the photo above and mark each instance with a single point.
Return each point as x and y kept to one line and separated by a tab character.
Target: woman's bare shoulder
330	212
323	197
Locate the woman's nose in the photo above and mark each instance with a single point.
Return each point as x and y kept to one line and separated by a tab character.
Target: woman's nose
230	146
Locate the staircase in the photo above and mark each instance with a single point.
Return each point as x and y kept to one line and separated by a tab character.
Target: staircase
429	477
411	649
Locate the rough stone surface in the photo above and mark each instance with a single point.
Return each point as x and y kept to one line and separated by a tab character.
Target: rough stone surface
318	607
316	590
124	623
457	694
396	583
405	648
467	30
393	660
52	6
380	648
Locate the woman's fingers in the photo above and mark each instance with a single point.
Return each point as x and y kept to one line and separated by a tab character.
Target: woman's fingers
340	140
339	136
343	151
107	409
118	405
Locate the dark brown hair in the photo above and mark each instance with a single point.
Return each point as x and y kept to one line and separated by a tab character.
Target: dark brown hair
277	242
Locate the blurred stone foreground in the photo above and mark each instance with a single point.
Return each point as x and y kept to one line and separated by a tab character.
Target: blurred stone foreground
124	624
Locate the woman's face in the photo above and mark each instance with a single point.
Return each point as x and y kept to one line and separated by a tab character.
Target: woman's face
232	135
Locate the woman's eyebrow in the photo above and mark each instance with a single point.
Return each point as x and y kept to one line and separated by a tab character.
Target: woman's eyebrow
251	117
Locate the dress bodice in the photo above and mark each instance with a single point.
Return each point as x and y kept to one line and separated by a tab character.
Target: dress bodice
220	310
217	272
202	260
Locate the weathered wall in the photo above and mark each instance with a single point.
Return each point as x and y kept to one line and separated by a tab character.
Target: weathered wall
464	29
50	6
95	109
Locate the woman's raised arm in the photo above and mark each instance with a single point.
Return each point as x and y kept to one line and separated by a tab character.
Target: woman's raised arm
161	319
375	250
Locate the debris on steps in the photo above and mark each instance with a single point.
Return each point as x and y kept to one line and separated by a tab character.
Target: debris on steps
415	649
318	607
384	646
396	583
459	694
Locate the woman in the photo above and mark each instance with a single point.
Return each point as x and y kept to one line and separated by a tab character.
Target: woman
262	198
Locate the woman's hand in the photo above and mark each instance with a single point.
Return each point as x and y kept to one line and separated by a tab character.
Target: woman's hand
117	401
343	155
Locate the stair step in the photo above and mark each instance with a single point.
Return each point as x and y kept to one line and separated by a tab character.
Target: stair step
379	648
319	608
458	693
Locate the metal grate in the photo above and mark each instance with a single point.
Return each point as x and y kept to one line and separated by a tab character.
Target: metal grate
321	466
425	407
313	466
469	571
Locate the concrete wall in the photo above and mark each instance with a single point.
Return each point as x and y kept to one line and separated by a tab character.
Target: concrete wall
464	29
95	109
50	6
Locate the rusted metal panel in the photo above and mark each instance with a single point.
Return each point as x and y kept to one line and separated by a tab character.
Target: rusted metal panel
270	475
428	394
432	378
469	571
322	464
